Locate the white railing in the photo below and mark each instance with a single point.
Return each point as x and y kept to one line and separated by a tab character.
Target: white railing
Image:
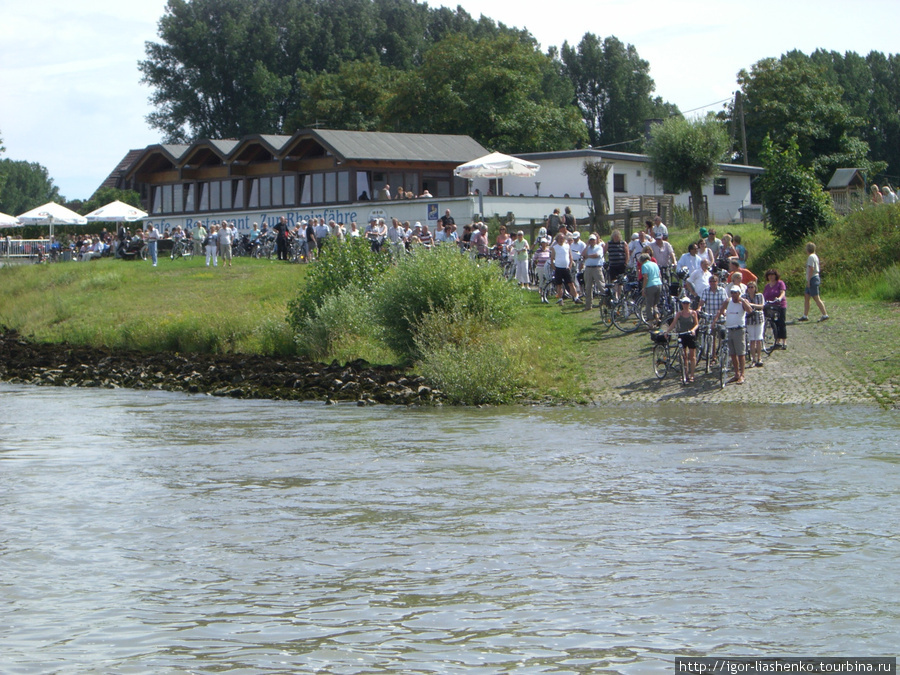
23	248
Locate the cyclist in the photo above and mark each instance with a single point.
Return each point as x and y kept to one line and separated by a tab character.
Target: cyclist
685	324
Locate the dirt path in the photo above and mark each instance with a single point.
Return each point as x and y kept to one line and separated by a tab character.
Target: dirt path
851	358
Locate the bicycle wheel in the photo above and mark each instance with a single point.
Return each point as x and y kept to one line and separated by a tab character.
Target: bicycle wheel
625	316
680	365
723	363
605	314
768	336
660	360
705	350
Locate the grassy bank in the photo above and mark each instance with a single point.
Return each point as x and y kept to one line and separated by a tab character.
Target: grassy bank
183	306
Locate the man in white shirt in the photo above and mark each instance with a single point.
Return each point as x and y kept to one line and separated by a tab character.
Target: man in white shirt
660	229
690	260
226	235
698	281
562	273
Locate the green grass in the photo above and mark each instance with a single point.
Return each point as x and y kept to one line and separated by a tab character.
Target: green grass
178	306
184	306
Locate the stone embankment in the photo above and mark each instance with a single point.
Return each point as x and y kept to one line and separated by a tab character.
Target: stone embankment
233	375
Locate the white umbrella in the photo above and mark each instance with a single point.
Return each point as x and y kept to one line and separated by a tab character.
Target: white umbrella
497	165
51	214
8	221
116	212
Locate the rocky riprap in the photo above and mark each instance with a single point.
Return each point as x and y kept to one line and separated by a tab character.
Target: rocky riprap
234	375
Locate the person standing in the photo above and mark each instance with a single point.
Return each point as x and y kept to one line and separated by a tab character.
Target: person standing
756	323
593	269
685	324
652	287
281	235
226	236
775	294
520	248
152	243
735	310
562	273
813	281
212	245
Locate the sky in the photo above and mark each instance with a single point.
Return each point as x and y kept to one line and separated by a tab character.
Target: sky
72	99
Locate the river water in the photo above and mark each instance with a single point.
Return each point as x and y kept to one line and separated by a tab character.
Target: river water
166	533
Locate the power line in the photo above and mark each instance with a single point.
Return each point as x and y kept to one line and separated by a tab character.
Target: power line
709	105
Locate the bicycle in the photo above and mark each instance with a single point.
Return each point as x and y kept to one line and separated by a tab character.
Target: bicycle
723	356
182	248
666	357
769	329
627	310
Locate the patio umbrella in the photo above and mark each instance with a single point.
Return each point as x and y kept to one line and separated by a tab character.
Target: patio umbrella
116	212
8	221
51	214
497	165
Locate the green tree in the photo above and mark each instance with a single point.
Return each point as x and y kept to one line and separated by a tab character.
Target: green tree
105	195
227	68
798	97
494	89
25	185
685	155
796	205
353	98
613	89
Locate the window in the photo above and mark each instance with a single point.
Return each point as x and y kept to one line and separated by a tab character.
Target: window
189	203
343	186
289	191
178	199
318	188
330	187
265	192
277	191
157	200
238	202
619	182
362	185
226	195
253	202
720	186
167	199
305	190
203	203
215	195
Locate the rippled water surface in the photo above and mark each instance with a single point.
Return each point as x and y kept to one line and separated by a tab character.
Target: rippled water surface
154	532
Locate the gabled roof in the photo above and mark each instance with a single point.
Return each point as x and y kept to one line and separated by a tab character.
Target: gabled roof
121	169
379	145
845	178
161	153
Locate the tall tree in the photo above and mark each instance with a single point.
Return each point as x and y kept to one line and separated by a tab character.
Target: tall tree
797	97
25	185
685	155
613	89
226	68
494	89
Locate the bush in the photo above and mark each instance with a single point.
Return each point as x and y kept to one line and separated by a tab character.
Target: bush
888	287
464	361
436	280
351	263
343	320
796	205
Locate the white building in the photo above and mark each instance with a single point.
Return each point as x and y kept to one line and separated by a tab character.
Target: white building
729	197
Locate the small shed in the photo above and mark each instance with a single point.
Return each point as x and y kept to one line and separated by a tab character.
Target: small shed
848	190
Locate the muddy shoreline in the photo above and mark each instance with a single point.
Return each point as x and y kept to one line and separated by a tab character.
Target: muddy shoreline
240	376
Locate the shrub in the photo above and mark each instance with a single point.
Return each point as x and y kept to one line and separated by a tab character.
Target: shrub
463	360
888	287
441	279
794	199
344	318
340	265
